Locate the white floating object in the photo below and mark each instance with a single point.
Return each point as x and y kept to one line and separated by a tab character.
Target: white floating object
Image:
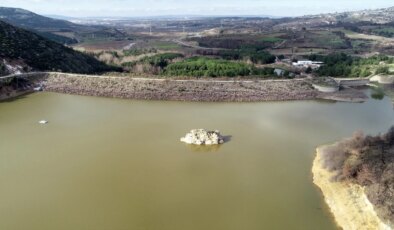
39	88
43	122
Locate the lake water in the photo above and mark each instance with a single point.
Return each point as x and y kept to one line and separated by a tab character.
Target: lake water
118	164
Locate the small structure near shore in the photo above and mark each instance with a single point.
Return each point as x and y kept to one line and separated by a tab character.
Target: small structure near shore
382	79
38	88
203	137
325	85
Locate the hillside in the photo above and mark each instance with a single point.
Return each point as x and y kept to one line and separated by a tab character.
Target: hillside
60	31
41	54
26	19
44	26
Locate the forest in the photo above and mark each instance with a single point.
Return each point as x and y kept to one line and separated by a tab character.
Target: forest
209	67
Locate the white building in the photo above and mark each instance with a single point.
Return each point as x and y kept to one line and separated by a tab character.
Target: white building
308	63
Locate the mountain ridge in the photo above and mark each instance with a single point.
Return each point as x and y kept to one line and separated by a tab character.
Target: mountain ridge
38	53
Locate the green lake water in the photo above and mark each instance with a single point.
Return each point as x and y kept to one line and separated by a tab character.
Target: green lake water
111	164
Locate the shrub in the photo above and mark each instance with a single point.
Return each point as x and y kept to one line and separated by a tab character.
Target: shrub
382	70
369	162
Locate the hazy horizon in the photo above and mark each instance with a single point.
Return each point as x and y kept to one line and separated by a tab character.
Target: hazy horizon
131	8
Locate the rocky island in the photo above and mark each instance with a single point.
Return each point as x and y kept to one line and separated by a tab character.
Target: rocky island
203	137
356	177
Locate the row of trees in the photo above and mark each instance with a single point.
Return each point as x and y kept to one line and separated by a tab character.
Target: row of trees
254	55
137	52
199	67
152	64
385	33
161	60
340	64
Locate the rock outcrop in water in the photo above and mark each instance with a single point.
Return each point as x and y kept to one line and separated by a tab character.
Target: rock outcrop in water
203	137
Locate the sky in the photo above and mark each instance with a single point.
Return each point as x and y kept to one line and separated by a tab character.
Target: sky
138	8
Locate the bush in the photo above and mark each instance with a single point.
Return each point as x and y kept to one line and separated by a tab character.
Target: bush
382	70
369	162
161	60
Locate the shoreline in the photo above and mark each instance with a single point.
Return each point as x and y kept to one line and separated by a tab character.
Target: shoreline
181	90
14	94
347	202
199	90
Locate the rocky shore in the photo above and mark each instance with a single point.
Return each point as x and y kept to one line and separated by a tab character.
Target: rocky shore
348	202
204	90
180	90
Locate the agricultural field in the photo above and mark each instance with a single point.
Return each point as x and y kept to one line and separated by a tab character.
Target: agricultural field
384	31
271	39
329	39
102	45
238	41
256	42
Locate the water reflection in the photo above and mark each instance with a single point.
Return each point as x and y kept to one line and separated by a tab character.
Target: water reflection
387	90
377	93
209	148
204	148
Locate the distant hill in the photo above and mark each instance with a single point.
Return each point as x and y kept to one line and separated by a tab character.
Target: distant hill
384	16
42	25
61	31
378	16
41	54
61	17
26	19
